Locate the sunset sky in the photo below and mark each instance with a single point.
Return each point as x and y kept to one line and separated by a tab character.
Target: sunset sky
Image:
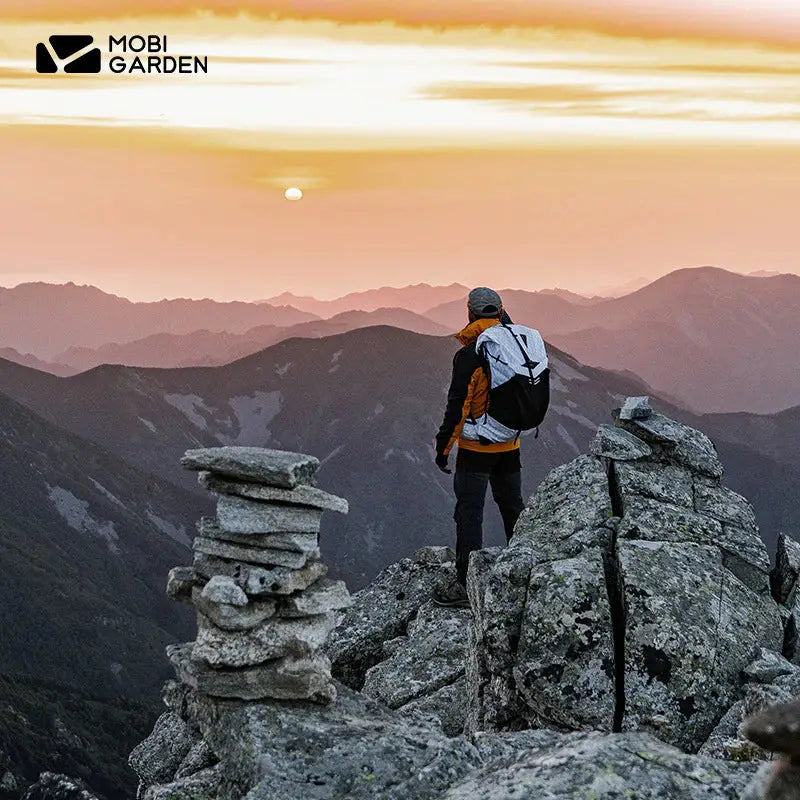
573	143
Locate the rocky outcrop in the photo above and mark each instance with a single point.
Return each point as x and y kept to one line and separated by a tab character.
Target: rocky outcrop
359	749
784	582
631	622
640	592
397	647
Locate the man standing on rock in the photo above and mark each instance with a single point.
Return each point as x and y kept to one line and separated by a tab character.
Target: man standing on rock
488	450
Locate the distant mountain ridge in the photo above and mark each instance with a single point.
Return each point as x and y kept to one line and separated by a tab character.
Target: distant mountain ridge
28	360
208	348
418	298
84	316
714	340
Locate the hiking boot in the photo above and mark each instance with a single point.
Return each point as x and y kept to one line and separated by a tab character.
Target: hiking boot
451	594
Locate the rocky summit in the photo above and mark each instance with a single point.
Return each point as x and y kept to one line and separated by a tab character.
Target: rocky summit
632	641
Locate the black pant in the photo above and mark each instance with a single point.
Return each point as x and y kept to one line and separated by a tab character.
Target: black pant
474	471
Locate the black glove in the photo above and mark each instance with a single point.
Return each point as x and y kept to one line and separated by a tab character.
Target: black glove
441	462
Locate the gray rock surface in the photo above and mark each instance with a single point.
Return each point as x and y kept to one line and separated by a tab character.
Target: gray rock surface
158	757
235	617
258	581
275	638
240	515
613	442
636	408
199	757
430	657
52	786
279	679
692	627
359	749
781	690
787	570
675	443
295	542
253	555
664	483
383	611
564	668
723	504
726	740
222	589
768	667
593	766
664	522
201	785
300	496
277	468
773	680
445	708
319	598
543	632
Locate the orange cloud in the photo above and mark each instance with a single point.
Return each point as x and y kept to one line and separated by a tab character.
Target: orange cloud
771	21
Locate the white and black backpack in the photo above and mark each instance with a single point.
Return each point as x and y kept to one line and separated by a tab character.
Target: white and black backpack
519	383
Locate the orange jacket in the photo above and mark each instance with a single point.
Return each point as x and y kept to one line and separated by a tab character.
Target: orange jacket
468	395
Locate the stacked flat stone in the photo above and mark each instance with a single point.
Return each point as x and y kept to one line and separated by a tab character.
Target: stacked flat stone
264	606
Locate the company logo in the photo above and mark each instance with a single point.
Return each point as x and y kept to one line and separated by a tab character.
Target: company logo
71	54
134	54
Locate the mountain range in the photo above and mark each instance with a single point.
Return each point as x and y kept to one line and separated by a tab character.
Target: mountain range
713	339
418	298
84	316
213	348
367	404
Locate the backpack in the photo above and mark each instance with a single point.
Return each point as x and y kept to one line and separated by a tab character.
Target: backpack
519	383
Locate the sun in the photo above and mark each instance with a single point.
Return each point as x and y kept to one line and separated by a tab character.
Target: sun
293	193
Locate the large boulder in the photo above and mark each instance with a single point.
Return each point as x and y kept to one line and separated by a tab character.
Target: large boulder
543	627
692	627
641	593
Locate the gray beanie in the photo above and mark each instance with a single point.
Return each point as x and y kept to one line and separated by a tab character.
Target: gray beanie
484	302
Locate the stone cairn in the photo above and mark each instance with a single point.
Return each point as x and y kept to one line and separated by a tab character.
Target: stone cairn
264	606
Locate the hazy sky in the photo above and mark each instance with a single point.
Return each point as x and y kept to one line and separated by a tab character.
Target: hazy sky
582	145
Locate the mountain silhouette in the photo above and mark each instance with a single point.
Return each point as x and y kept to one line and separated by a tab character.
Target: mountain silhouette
210	348
42	318
418	298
